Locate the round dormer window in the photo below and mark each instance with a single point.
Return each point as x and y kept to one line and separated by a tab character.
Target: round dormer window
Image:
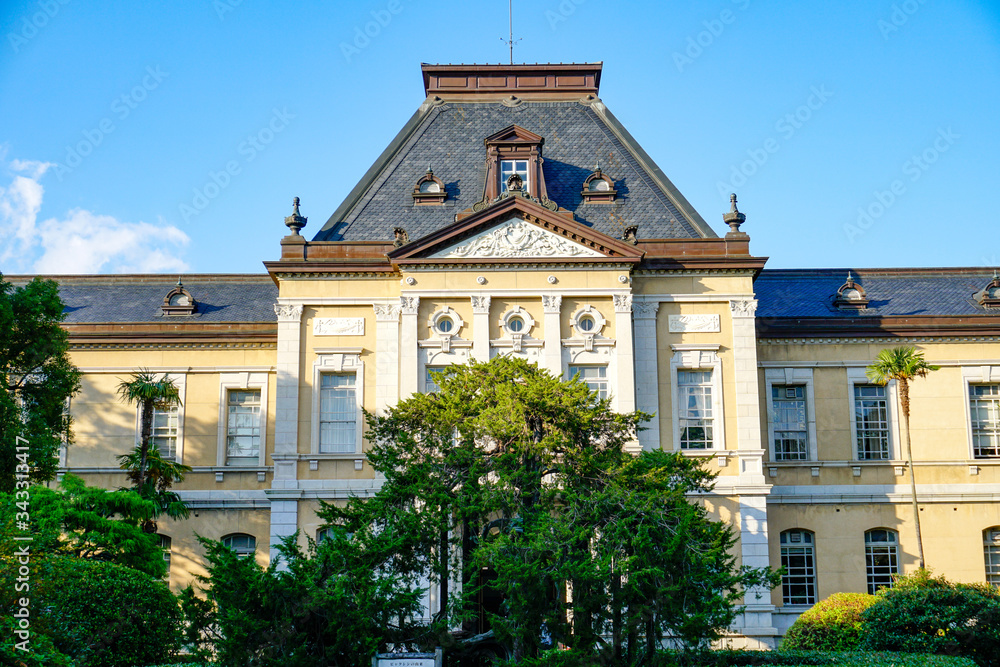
180	300
851	294
430	186
599	185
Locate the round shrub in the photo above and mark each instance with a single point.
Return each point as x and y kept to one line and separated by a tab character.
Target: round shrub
833	624
110	615
922	614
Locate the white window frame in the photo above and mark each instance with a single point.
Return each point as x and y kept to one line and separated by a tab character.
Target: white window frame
340	362
855	376
607	380
696	357
180	381
793	376
241	553
167	549
241	382
525	177
782	547
976	375
895	555
991	548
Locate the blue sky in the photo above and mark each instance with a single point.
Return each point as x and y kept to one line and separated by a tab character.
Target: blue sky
173	136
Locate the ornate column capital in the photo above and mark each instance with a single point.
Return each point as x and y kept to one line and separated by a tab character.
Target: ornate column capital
409	304
743	307
623	303
288	312
386	312
645	310
552	303
481	304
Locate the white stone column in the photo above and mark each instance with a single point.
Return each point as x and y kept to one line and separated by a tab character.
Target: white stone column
757	623
552	305
625	380
647	376
409	359
481	327
284	513
386	356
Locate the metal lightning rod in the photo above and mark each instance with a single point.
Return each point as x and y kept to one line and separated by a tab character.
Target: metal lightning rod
510	42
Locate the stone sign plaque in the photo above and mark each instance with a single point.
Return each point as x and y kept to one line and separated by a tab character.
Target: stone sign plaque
686	323
339	326
408	659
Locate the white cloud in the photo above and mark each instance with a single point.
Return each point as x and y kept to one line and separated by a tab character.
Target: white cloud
82	241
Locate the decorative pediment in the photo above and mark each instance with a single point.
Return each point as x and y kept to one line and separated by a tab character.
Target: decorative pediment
515	238
516	227
514	133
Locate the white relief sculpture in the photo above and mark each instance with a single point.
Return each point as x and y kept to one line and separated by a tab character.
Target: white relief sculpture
288	312
645	309
388	312
481	304
517	238
409	304
743	307
339	326
551	303
694	323
623	303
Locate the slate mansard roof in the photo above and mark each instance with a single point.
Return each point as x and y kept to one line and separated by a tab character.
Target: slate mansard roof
138	298
447	135
896	293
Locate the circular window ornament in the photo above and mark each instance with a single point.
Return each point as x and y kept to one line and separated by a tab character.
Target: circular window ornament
445	323
588	322
517	322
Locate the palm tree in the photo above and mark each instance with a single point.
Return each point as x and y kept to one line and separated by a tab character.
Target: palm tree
147	392
903	364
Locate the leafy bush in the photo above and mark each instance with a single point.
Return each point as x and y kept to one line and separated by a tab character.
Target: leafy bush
833	624
784	658
931	615
108	615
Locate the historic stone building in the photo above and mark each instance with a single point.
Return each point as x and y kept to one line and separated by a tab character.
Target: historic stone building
513	214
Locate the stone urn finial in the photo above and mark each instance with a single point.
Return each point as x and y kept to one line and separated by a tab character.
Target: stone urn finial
295	221
734	218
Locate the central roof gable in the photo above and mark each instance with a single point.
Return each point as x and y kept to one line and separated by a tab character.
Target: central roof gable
515	227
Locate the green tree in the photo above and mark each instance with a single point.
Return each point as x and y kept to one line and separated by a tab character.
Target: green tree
903	364
38	380
510	471
152	475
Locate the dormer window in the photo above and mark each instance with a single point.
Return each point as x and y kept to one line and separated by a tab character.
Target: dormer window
598	188
514	151
179	301
510	167
429	189
989	297
851	296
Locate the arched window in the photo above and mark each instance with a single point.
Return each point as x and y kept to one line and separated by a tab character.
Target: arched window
991	552
244	545
798	558
165	545
881	558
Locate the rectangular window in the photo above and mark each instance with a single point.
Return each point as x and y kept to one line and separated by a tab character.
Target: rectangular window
871	414
798	583
430	386
338	413
243	425
164	433
881	559
596	378
791	435
984	407
694	391
991	550
510	167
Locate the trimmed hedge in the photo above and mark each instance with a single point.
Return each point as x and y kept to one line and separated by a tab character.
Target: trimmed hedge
809	658
833	624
